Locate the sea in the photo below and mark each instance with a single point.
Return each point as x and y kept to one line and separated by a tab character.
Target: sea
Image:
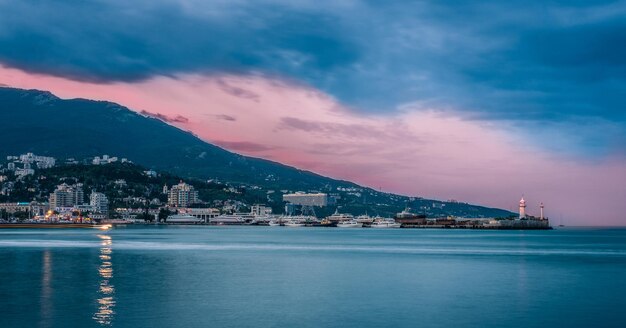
205	276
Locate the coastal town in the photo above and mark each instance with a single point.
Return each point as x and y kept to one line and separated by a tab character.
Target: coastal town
131	196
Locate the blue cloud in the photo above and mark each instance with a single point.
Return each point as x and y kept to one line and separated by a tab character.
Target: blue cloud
512	60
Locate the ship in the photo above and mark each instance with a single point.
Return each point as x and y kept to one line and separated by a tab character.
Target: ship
407	218
385	223
183	219
339	217
350	224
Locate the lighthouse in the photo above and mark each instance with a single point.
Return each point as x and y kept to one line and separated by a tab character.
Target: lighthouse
522	208
541	208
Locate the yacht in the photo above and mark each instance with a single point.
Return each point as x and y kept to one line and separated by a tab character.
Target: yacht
274	223
350	224
385	223
337	217
227	219
365	219
294	223
183	219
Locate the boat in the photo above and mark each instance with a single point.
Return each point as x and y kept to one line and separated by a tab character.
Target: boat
274	223
365	219
385	223
183	219
339	217
294	223
408	218
327	223
350	224
226	219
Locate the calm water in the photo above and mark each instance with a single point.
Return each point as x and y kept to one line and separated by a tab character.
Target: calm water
312	277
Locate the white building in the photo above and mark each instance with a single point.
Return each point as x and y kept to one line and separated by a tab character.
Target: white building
201	213
106	159
42	162
67	196
182	195
99	202
260	210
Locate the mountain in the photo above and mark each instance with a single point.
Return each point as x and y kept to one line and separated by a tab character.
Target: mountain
39	122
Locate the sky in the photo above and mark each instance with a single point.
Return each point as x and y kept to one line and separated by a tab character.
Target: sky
481	102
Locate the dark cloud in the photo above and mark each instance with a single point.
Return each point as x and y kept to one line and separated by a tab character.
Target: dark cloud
106	41
328	129
498	60
237	92
166	118
226	117
243	146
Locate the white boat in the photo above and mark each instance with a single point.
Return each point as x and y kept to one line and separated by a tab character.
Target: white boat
294	223
385	223
339	217
183	219
274	223
226	219
350	224
365	219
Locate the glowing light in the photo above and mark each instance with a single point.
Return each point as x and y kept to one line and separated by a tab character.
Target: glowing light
106	303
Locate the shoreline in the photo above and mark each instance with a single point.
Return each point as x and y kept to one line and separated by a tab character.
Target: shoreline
110	225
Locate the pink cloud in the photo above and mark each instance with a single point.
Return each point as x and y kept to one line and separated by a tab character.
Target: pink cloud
421	152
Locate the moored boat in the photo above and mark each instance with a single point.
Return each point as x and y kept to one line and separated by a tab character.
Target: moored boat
294	223
350	224
385	223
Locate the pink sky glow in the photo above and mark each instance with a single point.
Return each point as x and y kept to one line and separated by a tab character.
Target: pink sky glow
414	151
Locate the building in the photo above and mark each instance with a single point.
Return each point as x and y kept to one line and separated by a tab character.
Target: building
260	210
205	214
106	159
522	209
182	195
33	208
42	162
67	196
299	198
99	202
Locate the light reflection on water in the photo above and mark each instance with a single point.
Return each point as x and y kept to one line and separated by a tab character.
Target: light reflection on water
46	289
106	302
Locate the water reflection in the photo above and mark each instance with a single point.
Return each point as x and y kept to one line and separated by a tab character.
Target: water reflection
46	289
106	302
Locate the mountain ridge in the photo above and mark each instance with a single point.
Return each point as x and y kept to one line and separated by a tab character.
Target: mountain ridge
42	123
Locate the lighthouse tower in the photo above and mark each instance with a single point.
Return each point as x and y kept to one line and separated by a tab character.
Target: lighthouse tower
522	208
541	207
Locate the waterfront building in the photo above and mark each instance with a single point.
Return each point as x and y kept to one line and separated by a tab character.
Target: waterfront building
205	214
34	208
99	202
522	209
304	199
260	210
182	195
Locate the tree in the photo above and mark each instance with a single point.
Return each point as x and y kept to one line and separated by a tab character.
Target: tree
21	215
163	214
144	216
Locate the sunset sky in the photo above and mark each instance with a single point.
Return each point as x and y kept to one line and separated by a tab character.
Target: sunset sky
475	101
